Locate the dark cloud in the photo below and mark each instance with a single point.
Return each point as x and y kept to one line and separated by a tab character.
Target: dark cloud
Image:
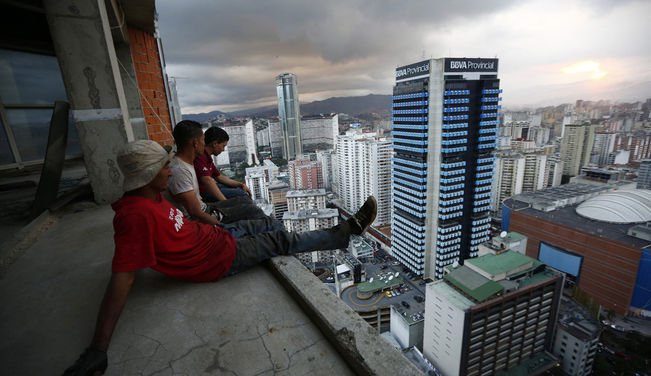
231	51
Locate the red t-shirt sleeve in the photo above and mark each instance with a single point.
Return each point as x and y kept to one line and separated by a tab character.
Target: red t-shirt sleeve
134	242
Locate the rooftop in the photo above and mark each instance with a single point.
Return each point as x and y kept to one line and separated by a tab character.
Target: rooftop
311	213
567	216
506	263
306	192
472	283
632	206
274	319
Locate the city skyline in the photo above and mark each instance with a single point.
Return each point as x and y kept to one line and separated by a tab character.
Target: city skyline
551	53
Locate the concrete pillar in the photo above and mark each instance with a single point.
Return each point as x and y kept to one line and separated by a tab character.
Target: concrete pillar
132	94
84	46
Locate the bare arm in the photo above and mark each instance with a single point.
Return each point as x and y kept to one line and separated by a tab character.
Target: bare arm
233	183
114	300
193	206
211	186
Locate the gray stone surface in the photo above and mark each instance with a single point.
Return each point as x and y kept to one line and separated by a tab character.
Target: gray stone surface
365	351
243	325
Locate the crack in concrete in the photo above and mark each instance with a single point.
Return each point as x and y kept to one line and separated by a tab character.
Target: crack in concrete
187	353
216	365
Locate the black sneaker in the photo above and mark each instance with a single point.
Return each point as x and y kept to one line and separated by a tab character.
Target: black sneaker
364	216
91	362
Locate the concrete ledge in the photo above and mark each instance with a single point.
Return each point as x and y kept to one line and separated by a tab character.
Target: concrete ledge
357	342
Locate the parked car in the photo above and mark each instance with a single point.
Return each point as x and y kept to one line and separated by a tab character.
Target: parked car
405	304
419	298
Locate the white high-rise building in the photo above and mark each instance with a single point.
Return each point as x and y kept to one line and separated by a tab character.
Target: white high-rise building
553	171
242	141
258	179
445	116
509	176
364	169
534	172
319	131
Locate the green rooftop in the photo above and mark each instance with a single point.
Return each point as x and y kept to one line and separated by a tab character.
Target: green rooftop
502	263
379	284
473	284
513	236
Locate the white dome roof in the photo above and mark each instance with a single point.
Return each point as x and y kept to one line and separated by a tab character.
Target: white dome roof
618	207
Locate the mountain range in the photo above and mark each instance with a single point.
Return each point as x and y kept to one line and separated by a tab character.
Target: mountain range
372	103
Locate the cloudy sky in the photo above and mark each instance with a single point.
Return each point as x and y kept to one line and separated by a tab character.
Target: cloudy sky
226	54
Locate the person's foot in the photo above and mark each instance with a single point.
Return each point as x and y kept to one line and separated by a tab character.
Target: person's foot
364	216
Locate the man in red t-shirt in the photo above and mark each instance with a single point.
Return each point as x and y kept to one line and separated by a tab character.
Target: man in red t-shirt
151	233
212	184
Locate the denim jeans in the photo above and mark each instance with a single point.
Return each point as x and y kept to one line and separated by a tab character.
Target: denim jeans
260	240
236	209
228	192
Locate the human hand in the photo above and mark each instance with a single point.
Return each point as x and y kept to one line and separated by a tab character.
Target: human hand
246	189
91	362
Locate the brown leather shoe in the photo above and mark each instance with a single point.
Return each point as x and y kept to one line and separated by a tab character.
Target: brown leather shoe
364	216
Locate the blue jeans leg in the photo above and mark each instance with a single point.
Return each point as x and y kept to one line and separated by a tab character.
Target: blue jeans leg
237	209
241	229
251	250
230	192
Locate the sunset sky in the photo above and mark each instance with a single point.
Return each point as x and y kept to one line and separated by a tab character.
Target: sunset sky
226	54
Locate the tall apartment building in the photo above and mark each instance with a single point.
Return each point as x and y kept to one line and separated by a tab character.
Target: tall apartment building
553	171
509	177
604	144
534	172
257	182
445	117
306	199
644	175
576	147
364	169
319	131
493	313
305	174
327	167
539	135
242	141
289	114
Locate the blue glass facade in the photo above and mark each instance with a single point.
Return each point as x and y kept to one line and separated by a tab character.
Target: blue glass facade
442	169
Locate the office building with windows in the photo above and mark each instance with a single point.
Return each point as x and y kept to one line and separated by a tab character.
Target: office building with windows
289	114
445	117
493	314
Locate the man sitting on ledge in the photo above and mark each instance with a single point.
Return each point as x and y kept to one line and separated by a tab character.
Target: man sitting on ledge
151	233
215	186
183	189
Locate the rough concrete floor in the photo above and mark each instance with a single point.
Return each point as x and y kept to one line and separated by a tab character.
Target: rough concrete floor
242	325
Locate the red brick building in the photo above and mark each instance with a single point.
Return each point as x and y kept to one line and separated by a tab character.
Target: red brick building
608	258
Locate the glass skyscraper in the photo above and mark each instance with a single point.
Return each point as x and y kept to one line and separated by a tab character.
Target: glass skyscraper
289	114
445	117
